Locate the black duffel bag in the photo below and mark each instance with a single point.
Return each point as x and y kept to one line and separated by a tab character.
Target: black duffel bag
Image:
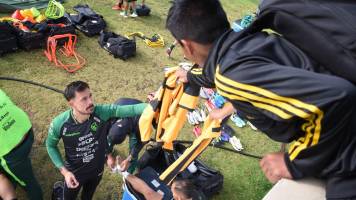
87	20
117	45
91	26
59	27
143	10
30	40
8	40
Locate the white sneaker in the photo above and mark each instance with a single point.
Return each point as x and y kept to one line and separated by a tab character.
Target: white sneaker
133	15
236	143
124	14
252	126
197	116
190	120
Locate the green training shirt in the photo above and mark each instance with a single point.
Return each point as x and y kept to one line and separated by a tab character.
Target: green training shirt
14	124
85	144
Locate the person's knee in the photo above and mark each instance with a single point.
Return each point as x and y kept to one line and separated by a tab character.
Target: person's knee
7	191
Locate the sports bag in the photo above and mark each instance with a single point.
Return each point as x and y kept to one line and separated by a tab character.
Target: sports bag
143	10
117	45
59	27
8	41
87	21
30	40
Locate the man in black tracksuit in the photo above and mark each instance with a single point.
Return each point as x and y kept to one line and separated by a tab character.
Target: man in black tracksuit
281	90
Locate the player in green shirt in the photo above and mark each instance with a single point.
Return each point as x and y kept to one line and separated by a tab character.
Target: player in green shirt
16	139
83	130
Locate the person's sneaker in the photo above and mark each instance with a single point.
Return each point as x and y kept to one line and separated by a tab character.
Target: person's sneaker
236	143
116	7
124	14
133	14
252	126
237	120
197	131
58	189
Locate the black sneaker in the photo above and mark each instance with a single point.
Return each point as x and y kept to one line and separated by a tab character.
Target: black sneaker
58	189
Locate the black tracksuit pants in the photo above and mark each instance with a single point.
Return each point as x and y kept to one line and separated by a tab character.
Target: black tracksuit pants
89	187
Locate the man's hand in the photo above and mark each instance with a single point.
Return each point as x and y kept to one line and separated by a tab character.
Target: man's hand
182	75
225	111
126	163
274	167
69	177
217	114
110	161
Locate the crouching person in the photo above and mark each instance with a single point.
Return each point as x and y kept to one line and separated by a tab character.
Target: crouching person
83	129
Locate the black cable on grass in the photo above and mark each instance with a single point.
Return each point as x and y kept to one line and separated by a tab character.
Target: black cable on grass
32	83
223	148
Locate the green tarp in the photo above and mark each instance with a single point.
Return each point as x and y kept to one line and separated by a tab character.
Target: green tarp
7	6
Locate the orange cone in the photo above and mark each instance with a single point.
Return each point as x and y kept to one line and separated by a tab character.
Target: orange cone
17	15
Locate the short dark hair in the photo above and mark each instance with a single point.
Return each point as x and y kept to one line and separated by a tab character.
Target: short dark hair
76	86
202	21
188	189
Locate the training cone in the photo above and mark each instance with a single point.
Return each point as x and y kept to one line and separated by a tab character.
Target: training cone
40	18
26	13
29	19
35	12
17	15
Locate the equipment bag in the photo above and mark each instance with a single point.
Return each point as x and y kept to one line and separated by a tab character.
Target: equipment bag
117	45
206	179
87	21
143	10
30	40
8	41
323	29
59	27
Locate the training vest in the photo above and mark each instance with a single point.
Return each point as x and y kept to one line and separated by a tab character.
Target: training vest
14	124
168	110
168	113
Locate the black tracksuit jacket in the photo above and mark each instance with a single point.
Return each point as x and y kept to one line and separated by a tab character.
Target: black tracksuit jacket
289	97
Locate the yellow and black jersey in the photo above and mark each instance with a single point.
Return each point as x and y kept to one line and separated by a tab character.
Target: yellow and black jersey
288	96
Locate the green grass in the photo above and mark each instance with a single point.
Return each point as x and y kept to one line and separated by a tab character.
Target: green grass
110	79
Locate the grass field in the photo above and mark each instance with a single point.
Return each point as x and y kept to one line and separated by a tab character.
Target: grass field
110	79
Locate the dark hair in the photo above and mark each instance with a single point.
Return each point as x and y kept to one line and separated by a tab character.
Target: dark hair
188	189
202	21
76	86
